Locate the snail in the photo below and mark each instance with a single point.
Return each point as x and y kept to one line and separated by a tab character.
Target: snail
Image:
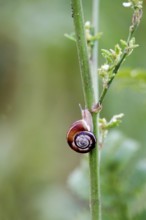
80	136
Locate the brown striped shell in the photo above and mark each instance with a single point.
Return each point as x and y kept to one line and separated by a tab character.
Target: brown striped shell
80	137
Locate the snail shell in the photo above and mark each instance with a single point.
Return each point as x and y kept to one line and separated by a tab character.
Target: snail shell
80	137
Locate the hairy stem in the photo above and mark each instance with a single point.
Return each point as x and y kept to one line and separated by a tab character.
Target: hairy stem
90	89
77	14
94	156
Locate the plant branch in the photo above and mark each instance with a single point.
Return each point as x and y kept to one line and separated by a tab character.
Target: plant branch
135	22
105	89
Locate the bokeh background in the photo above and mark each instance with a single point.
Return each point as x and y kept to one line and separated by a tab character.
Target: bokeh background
40	89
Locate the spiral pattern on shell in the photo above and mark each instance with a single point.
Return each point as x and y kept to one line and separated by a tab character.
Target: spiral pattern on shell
80	138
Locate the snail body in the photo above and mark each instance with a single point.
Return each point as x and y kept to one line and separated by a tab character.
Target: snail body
80	137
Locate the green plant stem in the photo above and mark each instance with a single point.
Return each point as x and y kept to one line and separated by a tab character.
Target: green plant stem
77	14
94	156
89	75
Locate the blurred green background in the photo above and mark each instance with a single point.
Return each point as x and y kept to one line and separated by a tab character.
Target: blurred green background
40	89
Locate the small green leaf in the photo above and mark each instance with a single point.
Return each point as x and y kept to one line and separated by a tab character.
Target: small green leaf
123	43
105	52
118	49
70	36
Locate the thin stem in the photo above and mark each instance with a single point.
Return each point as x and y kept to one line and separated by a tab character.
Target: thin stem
94	156
105	89
89	75
94	55
117	67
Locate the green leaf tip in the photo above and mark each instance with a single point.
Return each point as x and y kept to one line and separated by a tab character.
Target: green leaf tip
70	36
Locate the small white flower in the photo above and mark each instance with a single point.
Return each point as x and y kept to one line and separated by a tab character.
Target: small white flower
117	117
105	67
127	4
87	24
